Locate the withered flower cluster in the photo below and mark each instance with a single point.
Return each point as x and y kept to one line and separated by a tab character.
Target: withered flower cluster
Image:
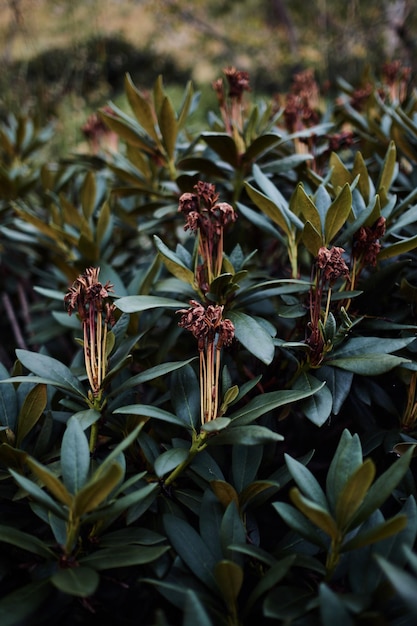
208	218
302	102
98	134
397	78
89	298
366	244
231	103
212	332
332	264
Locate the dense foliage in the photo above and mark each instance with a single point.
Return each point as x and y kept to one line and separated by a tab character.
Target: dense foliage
208	374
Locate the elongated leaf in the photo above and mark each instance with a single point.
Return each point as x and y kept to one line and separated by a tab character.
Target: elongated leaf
388	168
368	364
24	540
18	607
191	549
75	456
332	609
51	482
38	494
154	372
229	577
307	208
403	583
51	369
169	460
378	533
185	396
306	482
353	493
223	145
247	435
135	304
8	401
299	522
269	401
286	603
76	581
97	490
346	461
30	412
317	407
168	126
383	488
245	464
269	208
312	239
110	558
147	410
315	513
398	248
253	336
340	173
88	195
337	214
270	579
194	611
141	108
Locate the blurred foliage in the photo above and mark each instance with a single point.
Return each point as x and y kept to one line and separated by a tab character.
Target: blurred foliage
221	426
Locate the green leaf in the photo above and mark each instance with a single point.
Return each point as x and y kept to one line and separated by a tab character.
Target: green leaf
232	531
383	488
75	456
315	513
76	581
346	461
353	493
185	396
223	145
153	372
135	304
30	412
51	369
269	401
122	556
25	541
298	522
51	482
245	464
18	607
247	435
287	603
312	239
269	207
169	126
38	494
216	425
141	108
148	410
398	248
403	583
253	336
340	173
270	579
337	214
88	194
306	482
317	407
194	611
169	460
229	577
191	549
332	609
378	533
368	364
307	208
97	490
254	490
8	401
388	169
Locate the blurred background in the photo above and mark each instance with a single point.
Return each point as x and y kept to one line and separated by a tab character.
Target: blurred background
62	59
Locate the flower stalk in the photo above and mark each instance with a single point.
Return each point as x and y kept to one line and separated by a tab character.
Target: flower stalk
89	298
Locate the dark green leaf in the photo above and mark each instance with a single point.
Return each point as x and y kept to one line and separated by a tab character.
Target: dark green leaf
76	581
30	412
253	336
169	460
75	456
111	558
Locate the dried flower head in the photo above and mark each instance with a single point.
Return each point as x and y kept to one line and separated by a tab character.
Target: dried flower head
332	264
238	82
366	245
